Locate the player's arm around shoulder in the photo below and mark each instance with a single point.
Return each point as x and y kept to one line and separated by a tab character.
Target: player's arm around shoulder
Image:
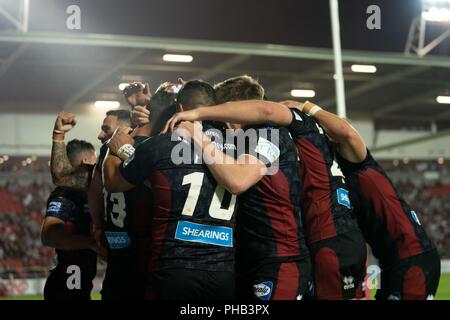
60	167
350	144
235	175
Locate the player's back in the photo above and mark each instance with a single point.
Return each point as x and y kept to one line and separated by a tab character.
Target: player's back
269	216
389	224
324	195
193	217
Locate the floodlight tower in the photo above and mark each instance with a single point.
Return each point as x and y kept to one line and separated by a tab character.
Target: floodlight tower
18	18
434	12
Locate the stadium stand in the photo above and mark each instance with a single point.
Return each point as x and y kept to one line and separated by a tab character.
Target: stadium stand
22	207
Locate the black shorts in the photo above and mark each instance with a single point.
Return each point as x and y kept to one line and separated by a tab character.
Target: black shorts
414	278
281	280
123	281
339	266
190	284
57	288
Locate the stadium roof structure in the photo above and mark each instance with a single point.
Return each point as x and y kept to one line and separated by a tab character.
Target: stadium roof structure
47	72
44	68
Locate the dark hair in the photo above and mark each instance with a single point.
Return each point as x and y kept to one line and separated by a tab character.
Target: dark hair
123	116
239	88
196	93
162	106
76	149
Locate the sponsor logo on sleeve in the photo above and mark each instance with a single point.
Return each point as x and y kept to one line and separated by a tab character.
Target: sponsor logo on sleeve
343	198
263	290
54	207
267	149
117	240
195	232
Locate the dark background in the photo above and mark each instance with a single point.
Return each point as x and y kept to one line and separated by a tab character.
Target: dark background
292	22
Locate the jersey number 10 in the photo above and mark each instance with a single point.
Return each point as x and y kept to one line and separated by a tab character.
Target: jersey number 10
215	209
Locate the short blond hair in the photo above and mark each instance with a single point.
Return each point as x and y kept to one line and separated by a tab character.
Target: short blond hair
239	88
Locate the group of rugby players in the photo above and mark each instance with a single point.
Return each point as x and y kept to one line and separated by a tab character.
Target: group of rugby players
205	192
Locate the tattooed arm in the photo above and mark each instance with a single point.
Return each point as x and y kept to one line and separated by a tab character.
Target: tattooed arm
63	173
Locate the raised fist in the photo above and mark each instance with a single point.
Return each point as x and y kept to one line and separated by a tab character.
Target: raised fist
65	121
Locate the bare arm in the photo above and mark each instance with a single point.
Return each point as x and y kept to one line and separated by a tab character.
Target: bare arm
63	173
112	178
351	145
54	235
234	175
249	112
95	199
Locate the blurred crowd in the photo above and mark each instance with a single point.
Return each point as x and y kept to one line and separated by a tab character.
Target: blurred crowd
22	208
433	209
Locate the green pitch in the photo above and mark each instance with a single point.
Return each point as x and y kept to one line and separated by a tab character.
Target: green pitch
442	294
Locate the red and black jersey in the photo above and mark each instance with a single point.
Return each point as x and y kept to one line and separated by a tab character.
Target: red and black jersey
71	206
388	223
193	217
126	222
327	211
268	225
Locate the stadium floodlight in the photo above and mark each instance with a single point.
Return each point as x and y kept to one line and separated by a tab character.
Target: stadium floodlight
303	93
107	104
437	15
436	10
433	12
178	58
440	160
5	157
122	86
363	68
443	99
1	160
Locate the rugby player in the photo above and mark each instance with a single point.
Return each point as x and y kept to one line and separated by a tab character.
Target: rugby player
337	246
409	262
272	261
192	245
67	225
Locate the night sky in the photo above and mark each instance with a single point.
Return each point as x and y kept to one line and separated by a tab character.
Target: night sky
293	22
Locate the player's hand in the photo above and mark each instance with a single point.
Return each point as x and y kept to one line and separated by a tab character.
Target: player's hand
143	98
137	94
191	130
120	137
291	104
140	116
191	115
65	121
